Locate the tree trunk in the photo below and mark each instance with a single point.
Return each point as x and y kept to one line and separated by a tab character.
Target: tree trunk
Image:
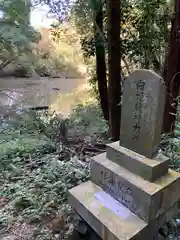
114	61
101	63
172	72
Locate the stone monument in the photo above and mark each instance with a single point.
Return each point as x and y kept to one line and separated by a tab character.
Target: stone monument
132	192
142	112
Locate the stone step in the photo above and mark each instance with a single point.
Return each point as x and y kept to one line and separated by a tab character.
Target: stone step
149	169
110	219
145	199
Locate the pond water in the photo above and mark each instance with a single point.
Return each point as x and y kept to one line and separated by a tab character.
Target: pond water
59	93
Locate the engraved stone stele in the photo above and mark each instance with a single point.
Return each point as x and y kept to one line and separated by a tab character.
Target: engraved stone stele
132	192
142	112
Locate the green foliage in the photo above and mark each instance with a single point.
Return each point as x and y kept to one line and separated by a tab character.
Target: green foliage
16	35
144	31
171	144
93	83
20	146
45	183
34	134
88	121
34	180
16	10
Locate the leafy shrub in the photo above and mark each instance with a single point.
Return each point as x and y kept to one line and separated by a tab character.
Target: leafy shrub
171	143
34	179
42	70
87	120
21	71
37	133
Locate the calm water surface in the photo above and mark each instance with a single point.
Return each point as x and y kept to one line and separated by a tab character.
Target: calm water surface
61	93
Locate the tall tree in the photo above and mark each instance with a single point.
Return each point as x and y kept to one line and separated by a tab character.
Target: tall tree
100	60
144	33
114	60
172	72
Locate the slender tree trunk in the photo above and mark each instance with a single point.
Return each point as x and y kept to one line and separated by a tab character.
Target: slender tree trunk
172	72
101	63
114	61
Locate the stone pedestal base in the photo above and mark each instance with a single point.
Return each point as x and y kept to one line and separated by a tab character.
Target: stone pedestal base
110	219
146	199
129	196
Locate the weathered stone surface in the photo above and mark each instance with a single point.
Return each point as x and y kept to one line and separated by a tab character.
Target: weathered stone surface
110	219
142	112
138	164
139	195
145	199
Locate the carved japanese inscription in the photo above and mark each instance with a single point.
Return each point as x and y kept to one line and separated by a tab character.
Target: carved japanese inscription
116	188
142	112
138	109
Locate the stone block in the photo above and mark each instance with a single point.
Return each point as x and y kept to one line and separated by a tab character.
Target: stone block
109	218
149	169
142	112
147	200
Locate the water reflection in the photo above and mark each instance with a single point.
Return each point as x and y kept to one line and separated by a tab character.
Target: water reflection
60	93
9	98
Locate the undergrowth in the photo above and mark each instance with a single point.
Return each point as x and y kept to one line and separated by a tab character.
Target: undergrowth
34	179
36	172
170	144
